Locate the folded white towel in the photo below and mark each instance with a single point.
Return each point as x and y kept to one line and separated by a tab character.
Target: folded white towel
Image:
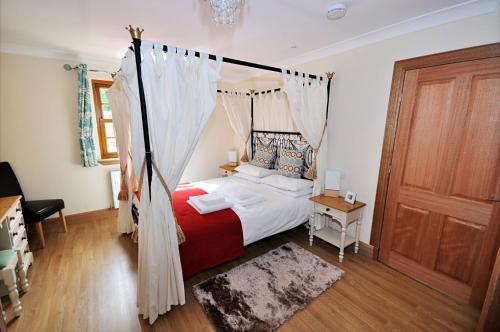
210	199
204	209
198	200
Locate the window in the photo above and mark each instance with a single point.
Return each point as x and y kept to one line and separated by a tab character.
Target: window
107	138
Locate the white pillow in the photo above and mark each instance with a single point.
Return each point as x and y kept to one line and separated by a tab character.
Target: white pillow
248	177
286	183
255	170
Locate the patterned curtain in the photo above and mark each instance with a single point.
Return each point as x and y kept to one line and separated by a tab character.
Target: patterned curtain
87	146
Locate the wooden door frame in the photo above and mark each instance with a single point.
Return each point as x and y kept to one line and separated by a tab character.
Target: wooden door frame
398	76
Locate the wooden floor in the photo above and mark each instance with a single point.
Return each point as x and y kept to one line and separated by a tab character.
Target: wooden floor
85	280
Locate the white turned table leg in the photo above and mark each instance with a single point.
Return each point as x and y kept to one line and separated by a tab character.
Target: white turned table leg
342	244
9	278
311	229
358	232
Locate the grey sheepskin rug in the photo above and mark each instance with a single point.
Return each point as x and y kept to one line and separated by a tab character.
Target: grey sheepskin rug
261	294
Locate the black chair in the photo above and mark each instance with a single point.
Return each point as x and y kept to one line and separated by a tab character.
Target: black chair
34	211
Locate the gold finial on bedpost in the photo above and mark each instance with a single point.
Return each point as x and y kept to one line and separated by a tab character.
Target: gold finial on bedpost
134	33
252	91
329	74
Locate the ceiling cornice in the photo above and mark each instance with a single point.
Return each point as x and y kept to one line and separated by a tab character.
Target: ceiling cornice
41	52
446	15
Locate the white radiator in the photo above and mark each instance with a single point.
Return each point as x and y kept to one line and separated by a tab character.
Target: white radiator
115	186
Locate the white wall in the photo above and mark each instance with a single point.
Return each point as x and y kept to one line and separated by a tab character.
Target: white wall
211	151
360	95
39	135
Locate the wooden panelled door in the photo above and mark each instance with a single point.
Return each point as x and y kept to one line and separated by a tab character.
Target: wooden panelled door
442	212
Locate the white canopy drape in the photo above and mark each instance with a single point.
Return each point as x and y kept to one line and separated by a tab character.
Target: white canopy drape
121	121
272	112
237	106
308	99
180	96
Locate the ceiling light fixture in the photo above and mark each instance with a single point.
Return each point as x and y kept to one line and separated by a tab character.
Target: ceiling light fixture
224	11
336	12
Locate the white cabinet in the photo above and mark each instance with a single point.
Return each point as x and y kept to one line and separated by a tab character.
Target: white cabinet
13	236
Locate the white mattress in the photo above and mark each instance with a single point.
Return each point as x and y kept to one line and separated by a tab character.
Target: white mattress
276	214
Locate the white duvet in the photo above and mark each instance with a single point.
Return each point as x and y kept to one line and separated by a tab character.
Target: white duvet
276	213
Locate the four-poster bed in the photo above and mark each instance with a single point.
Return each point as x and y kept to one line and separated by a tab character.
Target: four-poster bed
171	92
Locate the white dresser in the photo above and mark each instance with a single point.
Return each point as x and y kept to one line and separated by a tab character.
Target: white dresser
13	236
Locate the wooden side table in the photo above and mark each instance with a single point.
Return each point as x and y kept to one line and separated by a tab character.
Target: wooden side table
227	170
343	213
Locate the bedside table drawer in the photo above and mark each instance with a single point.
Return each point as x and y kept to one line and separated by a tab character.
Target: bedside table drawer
227	170
224	172
339	215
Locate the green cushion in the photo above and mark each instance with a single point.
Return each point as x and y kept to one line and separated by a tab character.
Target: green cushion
5	257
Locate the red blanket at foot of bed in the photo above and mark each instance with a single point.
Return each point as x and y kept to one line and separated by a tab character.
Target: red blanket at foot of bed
211	239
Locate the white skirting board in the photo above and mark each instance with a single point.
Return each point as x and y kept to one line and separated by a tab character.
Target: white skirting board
115	186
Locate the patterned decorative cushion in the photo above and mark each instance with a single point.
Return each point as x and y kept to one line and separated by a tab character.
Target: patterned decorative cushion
291	163
264	156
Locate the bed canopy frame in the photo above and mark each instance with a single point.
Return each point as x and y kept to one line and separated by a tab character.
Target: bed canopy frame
280	136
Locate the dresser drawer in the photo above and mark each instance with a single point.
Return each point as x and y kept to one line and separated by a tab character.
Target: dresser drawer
27	260
22	249
15	215
16	224
18	236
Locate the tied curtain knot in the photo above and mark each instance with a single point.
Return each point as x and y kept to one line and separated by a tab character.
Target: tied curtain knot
181	238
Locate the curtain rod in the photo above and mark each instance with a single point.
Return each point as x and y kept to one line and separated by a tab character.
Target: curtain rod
267	91
250	64
68	67
254	93
226	91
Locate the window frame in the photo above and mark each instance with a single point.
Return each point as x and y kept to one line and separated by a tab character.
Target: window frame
101	121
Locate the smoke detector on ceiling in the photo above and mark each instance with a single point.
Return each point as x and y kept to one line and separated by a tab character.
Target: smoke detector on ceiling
336	11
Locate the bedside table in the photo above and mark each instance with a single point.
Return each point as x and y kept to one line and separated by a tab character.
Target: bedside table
341	212
227	170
